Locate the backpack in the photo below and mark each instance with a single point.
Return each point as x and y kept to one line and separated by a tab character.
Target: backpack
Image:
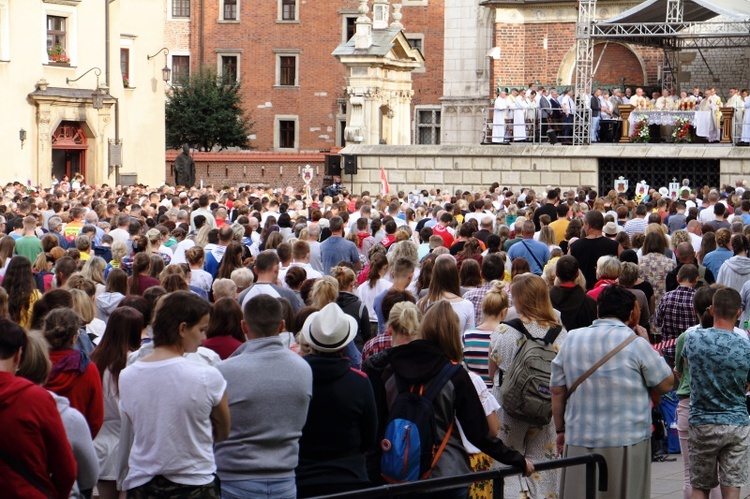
525	389
410	445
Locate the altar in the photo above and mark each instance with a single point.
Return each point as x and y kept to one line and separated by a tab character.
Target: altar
702	121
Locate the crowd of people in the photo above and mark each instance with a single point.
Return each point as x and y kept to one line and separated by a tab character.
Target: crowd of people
528	114
184	342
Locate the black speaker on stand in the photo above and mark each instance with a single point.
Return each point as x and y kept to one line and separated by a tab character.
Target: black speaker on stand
350	164
333	165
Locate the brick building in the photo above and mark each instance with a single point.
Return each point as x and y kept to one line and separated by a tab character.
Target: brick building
281	53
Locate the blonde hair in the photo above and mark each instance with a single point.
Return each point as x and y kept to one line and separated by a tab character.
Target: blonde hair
344	276
496	300
94	269
83	305
531	299
680	236
324	291
35	364
404	319
119	250
607	267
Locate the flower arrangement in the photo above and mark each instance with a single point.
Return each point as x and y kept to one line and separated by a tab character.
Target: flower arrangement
681	131
641	132
125	81
57	55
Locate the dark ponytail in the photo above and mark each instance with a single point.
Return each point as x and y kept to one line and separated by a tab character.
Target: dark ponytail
141	262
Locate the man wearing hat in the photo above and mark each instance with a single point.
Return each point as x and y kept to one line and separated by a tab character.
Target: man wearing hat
610	230
342	406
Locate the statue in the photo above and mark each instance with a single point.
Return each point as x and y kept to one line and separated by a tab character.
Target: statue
184	168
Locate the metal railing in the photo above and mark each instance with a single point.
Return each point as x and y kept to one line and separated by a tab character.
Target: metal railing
592	462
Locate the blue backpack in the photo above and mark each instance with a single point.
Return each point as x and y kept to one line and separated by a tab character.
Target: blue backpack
410	444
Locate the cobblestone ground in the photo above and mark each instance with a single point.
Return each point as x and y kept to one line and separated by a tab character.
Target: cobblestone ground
666	480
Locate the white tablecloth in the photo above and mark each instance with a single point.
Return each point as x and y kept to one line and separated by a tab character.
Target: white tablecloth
701	120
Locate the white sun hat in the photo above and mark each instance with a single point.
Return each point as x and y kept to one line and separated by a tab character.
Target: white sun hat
329	330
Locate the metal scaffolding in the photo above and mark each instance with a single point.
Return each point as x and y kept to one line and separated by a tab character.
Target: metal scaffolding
584	71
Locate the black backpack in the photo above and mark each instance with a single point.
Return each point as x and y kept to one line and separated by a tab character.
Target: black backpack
410	445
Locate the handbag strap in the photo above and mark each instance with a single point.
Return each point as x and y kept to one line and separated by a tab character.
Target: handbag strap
541	267
599	364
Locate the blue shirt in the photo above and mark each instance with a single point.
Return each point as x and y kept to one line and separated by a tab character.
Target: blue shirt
612	407
377	304
534	252
713	260
334	249
719	363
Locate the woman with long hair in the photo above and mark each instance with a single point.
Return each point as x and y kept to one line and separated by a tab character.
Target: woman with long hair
119	251
94	269
22	291
42	270
7	248
352	305
33	435
421	284
535	315
735	271
139	244
445	285
140	281
231	260
470	275
723	252
114	292
224	334
708	244
73	375
476	341
195	257
156	266
437	353
178	408
122	336
375	285
654	265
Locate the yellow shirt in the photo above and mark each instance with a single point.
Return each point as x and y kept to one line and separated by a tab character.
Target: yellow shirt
85	256
25	321
559	226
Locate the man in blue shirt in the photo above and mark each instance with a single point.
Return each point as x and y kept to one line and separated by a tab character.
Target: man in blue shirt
534	252
336	248
719	362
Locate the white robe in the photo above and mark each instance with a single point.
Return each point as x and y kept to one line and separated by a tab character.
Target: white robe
746	122
519	119
498	120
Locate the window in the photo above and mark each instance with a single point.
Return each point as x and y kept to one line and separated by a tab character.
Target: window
56	42
427	129
415	43
287	70
180	69
230	10
350	27
229	67
288	8
125	66
286	134
181	8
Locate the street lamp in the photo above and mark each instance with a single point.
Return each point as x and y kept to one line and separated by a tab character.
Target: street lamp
166	73
22	136
97	97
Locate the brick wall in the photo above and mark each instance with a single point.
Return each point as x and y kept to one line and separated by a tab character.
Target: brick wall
268	170
321	77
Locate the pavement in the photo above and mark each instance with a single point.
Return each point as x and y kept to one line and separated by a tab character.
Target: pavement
667	479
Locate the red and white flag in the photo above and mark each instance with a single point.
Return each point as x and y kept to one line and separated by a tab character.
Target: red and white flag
385	189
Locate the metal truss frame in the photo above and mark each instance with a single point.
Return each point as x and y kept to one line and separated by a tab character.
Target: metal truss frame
584	71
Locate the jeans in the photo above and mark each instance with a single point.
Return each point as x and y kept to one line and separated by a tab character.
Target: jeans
594	132
276	488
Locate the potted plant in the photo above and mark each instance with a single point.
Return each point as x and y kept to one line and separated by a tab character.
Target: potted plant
125	81
57	55
641	133
681	131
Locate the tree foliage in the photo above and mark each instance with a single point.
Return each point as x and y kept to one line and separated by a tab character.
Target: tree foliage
206	111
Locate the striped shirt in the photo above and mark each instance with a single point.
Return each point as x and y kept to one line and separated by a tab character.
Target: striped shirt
476	353
612	407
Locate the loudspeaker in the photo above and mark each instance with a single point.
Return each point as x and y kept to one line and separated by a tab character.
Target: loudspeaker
552	136
333	164
350	165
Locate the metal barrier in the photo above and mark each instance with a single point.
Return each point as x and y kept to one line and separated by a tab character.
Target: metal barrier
497	476
536	125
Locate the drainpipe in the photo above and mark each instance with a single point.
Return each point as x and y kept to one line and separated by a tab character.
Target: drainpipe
107	62
200	40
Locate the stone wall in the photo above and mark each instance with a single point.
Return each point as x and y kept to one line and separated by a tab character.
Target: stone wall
475	168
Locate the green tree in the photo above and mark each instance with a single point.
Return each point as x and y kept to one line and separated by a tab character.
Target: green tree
206	111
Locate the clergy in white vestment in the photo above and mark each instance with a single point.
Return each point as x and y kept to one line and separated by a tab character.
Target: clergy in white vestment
498	119
746	122
519	116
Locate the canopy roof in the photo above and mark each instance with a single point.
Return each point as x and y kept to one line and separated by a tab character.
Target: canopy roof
646	24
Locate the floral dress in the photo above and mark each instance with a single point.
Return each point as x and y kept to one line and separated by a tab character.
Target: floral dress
654	268
537	443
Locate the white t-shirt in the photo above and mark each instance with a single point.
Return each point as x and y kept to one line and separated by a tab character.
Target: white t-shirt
368	295
260	288
171	420
489	404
